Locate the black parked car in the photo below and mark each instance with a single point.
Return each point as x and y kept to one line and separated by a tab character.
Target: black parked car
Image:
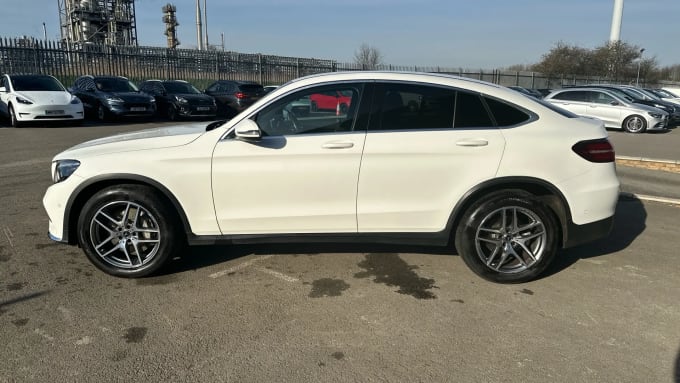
176	98
111	96
234	96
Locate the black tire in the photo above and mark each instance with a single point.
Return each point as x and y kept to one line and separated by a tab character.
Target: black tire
171	113
479	246
102	113
131	246
634	124
13	122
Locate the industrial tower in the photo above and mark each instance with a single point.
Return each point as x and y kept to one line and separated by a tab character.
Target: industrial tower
110	22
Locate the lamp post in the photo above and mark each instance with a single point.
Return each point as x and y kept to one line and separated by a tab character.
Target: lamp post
637	79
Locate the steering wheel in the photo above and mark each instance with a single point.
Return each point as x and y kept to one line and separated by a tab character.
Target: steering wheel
289	115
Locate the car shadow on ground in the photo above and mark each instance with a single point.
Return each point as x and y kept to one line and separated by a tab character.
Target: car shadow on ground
676	370
629	222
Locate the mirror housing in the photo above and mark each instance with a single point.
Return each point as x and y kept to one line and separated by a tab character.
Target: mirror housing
247	130
614	103
2	89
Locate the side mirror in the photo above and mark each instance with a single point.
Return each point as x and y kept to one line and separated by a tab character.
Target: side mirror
2	89
614	103
248	130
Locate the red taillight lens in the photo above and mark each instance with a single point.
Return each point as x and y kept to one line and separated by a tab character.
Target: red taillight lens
240	95
595	150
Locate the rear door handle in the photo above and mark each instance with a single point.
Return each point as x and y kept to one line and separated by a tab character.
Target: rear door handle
473	142
338	145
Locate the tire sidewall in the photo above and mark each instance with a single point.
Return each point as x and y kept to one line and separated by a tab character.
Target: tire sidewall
641	130
148	199
467	230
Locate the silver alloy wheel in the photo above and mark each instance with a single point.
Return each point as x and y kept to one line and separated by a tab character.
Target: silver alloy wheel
511	239
634	124
125	234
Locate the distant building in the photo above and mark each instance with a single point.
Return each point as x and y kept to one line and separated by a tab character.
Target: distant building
110	22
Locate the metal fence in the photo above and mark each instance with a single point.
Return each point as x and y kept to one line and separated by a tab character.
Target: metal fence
66	62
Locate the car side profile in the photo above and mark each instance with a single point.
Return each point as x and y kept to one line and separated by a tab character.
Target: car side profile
504	179
109	97
179	99
614	111
31	98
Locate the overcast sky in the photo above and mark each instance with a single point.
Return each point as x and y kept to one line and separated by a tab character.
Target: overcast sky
449	33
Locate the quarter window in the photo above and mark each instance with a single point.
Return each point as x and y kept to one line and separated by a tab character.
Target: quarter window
504	114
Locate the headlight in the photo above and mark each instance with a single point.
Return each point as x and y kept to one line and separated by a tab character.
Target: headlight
114	100
656	115
75	100
62	169
21	100
181	100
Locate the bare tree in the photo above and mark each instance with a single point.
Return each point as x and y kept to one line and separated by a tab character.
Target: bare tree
368	57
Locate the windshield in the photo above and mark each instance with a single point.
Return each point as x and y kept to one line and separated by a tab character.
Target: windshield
115	85
623	94
36	83
180	87
648	94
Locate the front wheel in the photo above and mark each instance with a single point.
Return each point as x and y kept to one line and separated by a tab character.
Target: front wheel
128	231
634	124
508	237
102	113
13	121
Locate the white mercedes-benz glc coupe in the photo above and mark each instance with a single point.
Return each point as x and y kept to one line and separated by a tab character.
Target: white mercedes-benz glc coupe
37	98
414	159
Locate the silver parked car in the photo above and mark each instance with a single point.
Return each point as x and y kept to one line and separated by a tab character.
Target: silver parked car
614	111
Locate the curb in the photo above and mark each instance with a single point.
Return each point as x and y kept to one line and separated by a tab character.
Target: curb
649	163
643	197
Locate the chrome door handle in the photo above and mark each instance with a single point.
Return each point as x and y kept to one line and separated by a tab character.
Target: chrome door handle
337	145
473	142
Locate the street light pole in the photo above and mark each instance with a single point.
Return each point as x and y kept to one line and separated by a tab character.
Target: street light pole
637	79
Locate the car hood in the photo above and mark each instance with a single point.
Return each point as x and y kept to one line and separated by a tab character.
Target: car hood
46	97
192	97
130	96
155	138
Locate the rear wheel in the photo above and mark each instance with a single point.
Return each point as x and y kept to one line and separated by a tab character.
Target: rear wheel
128	231
508	237
634	124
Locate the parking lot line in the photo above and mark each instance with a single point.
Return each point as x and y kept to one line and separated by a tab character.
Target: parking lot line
279	275
238	267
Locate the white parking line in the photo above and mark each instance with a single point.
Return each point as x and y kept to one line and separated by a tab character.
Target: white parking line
276	274
239	267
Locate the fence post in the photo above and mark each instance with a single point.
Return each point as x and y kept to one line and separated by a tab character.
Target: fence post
297	68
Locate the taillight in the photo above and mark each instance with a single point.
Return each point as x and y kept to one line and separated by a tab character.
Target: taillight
240	95
600	150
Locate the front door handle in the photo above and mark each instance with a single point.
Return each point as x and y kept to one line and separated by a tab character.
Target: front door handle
473	142
338	145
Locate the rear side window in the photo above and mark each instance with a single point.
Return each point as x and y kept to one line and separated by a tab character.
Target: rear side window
407	107
504	114
577	95
470	112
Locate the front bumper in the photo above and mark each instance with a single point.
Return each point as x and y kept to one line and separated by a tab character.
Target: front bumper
35	112
55	202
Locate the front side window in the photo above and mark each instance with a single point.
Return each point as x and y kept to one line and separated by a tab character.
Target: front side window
600	98
571	96
293	114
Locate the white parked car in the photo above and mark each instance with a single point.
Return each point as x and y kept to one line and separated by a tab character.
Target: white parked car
506	179
614	111
32	98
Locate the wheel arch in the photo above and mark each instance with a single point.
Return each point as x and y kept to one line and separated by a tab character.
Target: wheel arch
86	190
543	190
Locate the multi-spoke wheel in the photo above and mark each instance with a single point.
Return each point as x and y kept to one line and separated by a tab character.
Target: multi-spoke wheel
507	237
128	231
634	124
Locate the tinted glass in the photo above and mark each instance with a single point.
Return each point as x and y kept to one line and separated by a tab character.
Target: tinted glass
36	83
576	95
250	88
114	85
504	114
408	107
600	98
180	87
293	115
470	112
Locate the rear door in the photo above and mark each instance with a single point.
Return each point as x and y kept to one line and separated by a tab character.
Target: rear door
426	146
571	100
605	107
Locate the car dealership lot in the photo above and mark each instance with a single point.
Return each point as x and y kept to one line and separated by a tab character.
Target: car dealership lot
606	311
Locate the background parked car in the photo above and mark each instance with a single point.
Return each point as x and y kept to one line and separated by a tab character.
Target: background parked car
234	96
614	111
109	96
529	92
37	98
269	88
665	95
176	98
333	100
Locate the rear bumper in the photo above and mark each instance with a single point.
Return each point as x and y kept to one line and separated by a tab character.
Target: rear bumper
580	234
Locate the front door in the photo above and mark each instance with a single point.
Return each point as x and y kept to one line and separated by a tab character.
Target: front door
300	177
